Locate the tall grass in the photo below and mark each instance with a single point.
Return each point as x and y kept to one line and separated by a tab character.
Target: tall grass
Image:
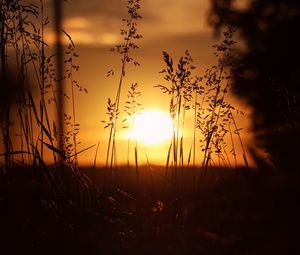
180	91
206	95
71	123
24	48
30	82
130	35
63	207
132	108
22	41
213	114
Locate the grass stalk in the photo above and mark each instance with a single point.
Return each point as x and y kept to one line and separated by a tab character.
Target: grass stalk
60	72
129	35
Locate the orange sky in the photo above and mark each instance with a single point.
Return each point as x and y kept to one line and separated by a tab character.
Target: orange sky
170	25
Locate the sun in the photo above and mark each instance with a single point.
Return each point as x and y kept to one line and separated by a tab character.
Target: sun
152	127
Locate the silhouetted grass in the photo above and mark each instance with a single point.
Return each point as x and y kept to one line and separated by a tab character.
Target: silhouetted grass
60	208
130	35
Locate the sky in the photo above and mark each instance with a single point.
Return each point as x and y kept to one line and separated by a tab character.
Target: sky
167	25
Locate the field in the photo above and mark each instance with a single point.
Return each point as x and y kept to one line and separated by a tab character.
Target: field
213	194
232	212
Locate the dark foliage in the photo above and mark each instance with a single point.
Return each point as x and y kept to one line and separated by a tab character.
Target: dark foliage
56	211
268	78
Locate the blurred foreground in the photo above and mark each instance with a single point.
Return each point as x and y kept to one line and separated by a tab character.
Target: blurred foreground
63	211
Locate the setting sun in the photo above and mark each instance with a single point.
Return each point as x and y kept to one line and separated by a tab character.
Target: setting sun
152	127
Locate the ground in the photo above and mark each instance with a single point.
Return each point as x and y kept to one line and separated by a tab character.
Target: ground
230	212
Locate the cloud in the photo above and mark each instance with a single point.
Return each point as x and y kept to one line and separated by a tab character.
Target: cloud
92	30
98	22
91	7
78	22
176	17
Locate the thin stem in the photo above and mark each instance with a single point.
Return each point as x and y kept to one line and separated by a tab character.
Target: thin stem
60	72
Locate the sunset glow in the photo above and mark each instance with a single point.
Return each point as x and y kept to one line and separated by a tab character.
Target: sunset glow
160	127
152	127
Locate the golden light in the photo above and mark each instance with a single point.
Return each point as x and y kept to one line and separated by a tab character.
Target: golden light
152	127
108	39
77	23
